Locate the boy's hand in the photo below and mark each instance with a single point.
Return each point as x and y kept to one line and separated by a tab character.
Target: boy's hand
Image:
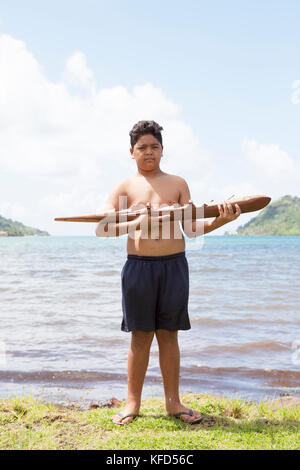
226	213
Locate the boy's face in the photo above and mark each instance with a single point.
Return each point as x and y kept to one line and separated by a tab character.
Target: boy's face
147	152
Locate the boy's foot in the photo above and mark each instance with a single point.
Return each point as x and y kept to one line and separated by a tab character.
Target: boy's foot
187	415
125	416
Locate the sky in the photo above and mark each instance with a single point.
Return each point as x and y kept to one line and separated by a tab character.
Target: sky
222	78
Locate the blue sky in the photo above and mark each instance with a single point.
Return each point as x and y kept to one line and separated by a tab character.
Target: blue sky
228	67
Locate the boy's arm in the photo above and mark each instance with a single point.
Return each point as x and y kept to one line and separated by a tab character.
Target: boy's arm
194	228
116	201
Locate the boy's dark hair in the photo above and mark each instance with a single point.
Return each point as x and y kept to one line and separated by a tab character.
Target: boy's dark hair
145	127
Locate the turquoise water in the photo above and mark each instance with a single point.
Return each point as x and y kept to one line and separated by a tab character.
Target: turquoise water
61	315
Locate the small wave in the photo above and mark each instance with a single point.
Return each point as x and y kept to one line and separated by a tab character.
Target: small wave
81	296
263	306
279	307
208	321
73	376
206	270
93	340
245	348
107	273
217	255
273	377
65	377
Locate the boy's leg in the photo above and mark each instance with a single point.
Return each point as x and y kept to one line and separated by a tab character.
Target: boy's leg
169	359
138	359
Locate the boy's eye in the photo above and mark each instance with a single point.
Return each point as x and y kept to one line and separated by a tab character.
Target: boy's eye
143	147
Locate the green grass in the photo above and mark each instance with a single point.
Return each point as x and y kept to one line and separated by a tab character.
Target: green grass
27	423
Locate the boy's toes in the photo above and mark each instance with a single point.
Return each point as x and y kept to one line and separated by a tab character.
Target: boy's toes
189	416
123	419
116	419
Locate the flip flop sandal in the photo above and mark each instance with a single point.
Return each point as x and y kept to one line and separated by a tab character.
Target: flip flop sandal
123	417
189	413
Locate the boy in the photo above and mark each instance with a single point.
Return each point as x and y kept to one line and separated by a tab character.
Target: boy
155	277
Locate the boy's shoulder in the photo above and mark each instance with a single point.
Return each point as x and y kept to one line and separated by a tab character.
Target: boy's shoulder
177	180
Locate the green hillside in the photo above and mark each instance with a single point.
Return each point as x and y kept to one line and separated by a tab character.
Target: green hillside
281	217
17	229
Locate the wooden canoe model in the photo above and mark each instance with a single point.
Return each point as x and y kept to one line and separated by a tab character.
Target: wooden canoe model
246	204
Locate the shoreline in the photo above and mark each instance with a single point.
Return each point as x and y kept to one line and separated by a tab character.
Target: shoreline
285	401
83	386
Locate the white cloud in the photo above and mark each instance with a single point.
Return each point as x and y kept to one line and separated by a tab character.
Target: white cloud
13	210
77	72
272	164
75	201
49	133
295	97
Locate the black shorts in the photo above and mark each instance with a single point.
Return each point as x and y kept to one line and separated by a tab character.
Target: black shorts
155	291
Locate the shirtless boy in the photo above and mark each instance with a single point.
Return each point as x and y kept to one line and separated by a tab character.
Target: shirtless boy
155	277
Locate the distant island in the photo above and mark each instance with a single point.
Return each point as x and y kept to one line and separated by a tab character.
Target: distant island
11	228
281	217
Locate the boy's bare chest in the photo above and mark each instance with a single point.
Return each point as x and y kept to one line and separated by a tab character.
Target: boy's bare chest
157	192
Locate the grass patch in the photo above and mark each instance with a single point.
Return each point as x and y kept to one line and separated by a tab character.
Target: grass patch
27	423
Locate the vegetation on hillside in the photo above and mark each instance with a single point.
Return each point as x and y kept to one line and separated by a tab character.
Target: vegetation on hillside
281	217
17	229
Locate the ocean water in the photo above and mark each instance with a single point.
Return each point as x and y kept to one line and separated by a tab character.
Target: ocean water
60	300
